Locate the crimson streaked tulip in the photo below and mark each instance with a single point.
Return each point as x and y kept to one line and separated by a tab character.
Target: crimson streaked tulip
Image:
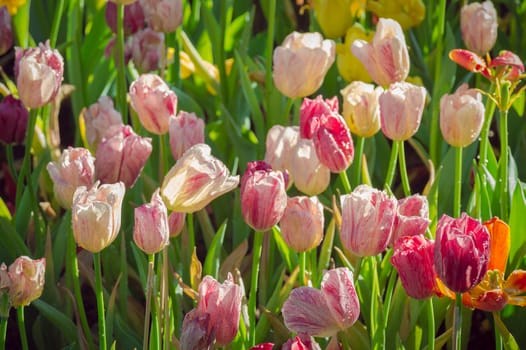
471	61
412	217
302	223
163	15
461	116
301	62
151	232
368	217
121	156
386	58
361	109
263	196
24	280
133	17
280	144
195	180
147	50
301	341
461	252
311	111
176	223
310	176
76	167
154	102
186	130
6	31
478	24
39	72
13	118
323	312
508	65
401	108
98	119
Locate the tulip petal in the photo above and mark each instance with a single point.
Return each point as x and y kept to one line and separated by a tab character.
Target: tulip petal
499	244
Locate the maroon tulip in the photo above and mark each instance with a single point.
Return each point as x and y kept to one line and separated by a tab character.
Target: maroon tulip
461	252
6	31
412	217
13	119
133	17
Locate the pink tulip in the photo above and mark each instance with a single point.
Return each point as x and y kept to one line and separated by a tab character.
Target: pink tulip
195	334
176	223
263	196
76	167
195	180
461	252
263	346
13	119
6	31
39	72
24	280
401	108
121	156
163	15
147	50
310	176
186	130
280	144
386	58
478	23
154	102
412	217
367	220
133	17
151	232
361	109
301	341
98	119
302	223
311	112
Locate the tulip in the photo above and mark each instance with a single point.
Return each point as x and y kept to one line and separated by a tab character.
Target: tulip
302	223
98	119
311	112
386	58
323	312
163	15
361	109
39	73
176	223
461	252
151	232
280	144
401	108
301	62
334	16
263	196
471	61
76	167
133	17
24	280
309	174
6	31
13	118
461	116
195	180
263	346
412	217
349	65
186	130
478	24
147	50
195	334
413	259
121	156
13	5
154	102
407	13
96	215
301	341
367	220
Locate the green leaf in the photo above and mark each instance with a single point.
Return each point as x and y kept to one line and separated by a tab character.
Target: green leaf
56	317
212	260
518	225
289	256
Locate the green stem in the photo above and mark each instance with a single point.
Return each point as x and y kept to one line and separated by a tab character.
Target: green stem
458	182
377	331
59	9
358	152
392	166
165	300
163	157
252	301
457	327
119	63
504	197
288	108
498	336
303	259
269	50
11	161
484	134
403	169
100	301
148	291
3	331
191	241
22	327
345	181
430	324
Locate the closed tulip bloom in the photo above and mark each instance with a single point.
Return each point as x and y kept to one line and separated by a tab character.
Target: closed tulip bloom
176	223
163	15
461	116
195	180
147	50
367	220
151	232
121	156
414	261
186	130
280	144
39	72
302	223
478	24
13	118
311	112
263	196
98	119
386	57
361	109
96	215
154	103
133	17
195	334
323	312
349	66
334	16
6	31
412	217
309	174
75	168
301	62
401	108
24	280
461	252
408	13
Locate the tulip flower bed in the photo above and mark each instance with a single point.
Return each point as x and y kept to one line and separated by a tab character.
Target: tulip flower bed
191	174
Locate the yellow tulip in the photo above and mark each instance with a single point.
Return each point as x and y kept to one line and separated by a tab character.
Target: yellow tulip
409	13
349	66
335	16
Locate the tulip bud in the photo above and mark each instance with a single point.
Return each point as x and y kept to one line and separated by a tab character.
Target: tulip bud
195	180
461	116
25	280
412	217
302	223
302	341
478	23
361	109
147	50
333	16
163	15
413	259
367	220
98	119
96	215
76	167
280	144
461	252
6	31
309	174
154	102
186	130
133	17
39	73
349	66
301	62
386	58
407	13
176	223
121	156
151	233
401	108
263	196
13	118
